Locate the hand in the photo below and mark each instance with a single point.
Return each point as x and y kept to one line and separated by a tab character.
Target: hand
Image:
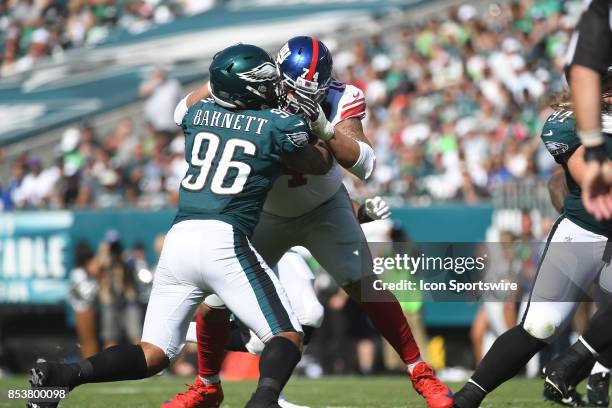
596	189
319	124
377	209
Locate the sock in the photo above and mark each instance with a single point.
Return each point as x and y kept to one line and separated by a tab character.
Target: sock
598	368
411	366
388	318
598	334
508	355
605	357
117	363
212	337
278	359
582	372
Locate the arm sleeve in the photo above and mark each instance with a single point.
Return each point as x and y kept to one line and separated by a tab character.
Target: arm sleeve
292	134
591	44
180	111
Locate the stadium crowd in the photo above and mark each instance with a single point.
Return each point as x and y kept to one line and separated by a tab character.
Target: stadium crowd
455	109
33	29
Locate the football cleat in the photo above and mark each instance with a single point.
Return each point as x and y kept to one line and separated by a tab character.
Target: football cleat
425	382
47	374
598	389
470	396
198	395
573	399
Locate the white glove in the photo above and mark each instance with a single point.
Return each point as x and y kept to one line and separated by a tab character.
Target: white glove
606	123
377	209
319	124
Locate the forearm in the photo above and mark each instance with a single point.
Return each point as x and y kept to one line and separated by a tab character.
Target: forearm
345	150
586	91
200	93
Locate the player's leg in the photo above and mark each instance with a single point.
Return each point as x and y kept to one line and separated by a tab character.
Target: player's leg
271	240
595	342
566	271
253	293
334	237
211	331
297	279
172	304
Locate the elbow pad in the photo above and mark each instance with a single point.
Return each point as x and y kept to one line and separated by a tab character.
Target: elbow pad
364	166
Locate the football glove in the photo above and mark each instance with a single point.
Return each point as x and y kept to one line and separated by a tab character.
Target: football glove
319	124
377	209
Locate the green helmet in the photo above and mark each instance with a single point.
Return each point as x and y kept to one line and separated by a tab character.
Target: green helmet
243	76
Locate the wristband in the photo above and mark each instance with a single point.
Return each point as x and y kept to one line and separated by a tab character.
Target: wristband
596	153
591	138
362	215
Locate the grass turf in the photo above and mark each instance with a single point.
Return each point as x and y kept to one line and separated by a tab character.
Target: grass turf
330	392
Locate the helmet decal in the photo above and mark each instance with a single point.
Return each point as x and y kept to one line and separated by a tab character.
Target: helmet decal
261	73
313	62
283	54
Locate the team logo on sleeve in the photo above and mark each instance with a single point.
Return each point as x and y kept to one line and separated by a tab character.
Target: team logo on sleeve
298	139
261	73
556	148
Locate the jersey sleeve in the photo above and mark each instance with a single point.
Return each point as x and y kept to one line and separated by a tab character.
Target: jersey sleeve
292	133
559	137
347	101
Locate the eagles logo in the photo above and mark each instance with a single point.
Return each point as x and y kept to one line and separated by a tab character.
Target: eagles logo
261	73
556	148
298	139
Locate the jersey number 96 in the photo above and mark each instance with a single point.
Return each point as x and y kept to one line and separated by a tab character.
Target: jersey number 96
193	183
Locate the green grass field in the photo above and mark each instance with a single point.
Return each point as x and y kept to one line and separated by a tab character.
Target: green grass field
332	392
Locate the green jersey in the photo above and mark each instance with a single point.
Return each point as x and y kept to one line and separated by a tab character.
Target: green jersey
560	137
234	158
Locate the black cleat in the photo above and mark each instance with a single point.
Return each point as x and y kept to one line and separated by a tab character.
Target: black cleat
47	375
598	388
574	399
470	396
561	372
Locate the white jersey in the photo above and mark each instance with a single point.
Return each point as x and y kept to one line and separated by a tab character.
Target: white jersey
295	194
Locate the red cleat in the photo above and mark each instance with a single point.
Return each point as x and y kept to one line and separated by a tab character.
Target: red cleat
433	390
199	395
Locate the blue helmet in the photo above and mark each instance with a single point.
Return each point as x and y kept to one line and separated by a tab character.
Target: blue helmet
305	65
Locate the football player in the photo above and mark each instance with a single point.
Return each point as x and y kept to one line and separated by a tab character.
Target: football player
234	145
315	212
574	258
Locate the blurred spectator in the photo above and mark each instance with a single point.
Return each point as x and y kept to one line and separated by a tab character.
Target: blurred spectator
120	314
33	29
454	106
83	297
160	94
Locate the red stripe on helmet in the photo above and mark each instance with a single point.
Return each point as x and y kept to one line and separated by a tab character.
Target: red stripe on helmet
313	61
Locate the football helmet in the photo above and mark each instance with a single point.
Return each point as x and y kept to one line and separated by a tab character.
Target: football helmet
243	76
304	65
